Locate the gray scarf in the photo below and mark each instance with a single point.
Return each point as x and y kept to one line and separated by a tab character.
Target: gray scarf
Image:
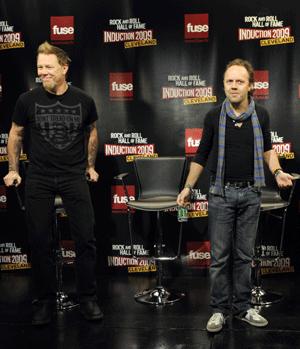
259	178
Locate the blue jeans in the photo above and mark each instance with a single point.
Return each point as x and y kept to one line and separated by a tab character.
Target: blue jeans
40	193
233	221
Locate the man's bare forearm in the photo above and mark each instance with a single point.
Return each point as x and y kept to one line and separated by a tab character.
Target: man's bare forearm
14	146
92	145
271	158
194	174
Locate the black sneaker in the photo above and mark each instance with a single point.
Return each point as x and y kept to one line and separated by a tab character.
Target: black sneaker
91	311
43	312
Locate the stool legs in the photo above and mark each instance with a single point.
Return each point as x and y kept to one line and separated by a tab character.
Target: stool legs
259	296
63	300
159	295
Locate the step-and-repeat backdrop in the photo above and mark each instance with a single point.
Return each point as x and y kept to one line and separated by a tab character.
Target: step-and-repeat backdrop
154	69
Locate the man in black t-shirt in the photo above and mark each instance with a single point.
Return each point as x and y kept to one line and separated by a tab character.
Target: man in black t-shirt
61	125
235	140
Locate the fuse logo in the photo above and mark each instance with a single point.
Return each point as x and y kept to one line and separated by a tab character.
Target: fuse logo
68	251
196	27
119	197
261	84
192	140
121	85
62	28
198	254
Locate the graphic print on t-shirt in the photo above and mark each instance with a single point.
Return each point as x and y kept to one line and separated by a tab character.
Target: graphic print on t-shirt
59	124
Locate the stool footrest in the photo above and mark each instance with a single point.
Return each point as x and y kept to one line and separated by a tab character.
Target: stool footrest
159	296
261	297
65	301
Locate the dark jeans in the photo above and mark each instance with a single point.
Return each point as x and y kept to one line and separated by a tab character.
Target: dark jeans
233	221
40	193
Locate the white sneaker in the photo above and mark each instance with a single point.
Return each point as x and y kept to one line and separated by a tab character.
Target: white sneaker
215	322
254	319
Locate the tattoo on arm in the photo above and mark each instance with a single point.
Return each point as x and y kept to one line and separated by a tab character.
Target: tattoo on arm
92	145
14	146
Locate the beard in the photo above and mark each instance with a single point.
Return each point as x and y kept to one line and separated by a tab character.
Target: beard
49	86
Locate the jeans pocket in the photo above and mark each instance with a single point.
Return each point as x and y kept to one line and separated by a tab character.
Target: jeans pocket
256	190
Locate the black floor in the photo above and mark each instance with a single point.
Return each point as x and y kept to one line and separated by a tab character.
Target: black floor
131	325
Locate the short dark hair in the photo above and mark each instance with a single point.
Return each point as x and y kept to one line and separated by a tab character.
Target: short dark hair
48	49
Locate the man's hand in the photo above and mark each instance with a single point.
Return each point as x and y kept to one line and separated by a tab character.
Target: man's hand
12	178
284	180
183	198
92	175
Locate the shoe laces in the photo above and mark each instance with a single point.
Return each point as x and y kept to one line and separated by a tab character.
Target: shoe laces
217	317
254	314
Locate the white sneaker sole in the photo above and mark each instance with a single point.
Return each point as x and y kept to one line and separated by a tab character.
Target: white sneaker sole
256	324
214	330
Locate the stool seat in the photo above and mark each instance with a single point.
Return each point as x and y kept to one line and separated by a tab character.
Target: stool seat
272	200
155	203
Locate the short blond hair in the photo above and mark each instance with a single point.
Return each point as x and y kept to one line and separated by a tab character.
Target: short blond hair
248	66
48	49
243	63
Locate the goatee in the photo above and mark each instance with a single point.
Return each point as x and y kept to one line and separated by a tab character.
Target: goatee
49	86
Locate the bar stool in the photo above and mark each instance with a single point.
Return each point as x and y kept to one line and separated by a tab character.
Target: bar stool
275	204
64	301
159	181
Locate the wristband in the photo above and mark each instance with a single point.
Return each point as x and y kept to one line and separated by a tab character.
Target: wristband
188	186
277	171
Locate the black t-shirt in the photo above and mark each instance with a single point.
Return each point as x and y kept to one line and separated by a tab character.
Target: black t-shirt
58	126
239	144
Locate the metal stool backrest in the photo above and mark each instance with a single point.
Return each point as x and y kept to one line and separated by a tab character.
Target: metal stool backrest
161	176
